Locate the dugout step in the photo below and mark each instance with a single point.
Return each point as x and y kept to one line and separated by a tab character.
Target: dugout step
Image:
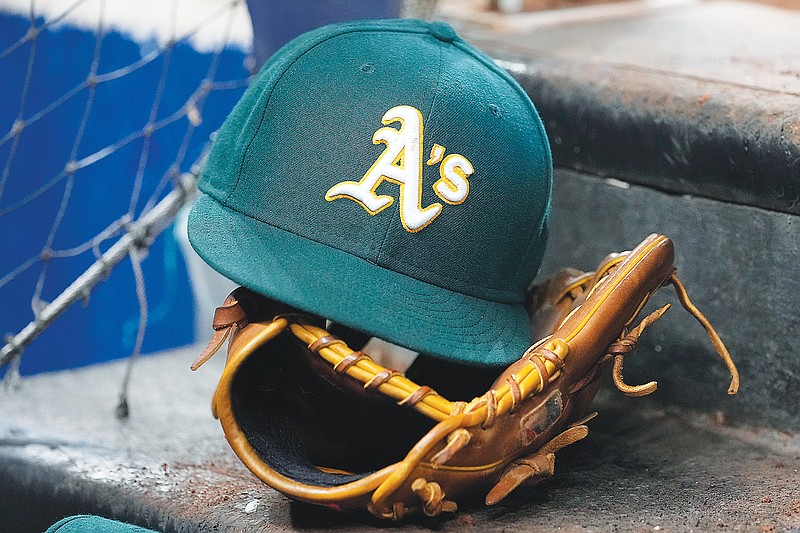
699	143
698	98
169	468
681	118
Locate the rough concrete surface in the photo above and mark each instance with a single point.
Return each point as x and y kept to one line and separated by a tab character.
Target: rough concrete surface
692	98
687	459
168	467
739	265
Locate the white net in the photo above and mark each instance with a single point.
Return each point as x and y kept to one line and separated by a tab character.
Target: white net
107	110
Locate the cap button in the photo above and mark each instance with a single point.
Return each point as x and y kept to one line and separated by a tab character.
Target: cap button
442	31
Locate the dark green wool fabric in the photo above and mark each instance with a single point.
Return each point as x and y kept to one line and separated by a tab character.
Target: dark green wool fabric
94	524
388	176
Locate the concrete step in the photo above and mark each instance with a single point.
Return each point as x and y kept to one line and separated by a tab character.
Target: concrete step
698	98
739	264
168	467
680	118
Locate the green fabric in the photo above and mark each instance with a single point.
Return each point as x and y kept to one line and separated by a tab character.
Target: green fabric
94	524
453	288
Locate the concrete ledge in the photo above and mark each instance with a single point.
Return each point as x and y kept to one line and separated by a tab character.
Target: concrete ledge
680	118
696	98
169	467
737	264
702	148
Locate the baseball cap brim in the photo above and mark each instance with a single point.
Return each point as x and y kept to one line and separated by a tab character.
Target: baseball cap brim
398	308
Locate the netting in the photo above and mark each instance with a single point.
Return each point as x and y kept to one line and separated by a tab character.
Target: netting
107	111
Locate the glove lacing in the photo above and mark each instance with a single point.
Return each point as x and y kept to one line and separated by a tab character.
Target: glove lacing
627	342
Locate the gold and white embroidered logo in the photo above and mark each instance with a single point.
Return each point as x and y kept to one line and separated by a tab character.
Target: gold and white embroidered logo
401	163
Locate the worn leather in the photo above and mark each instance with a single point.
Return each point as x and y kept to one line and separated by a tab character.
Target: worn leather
490	443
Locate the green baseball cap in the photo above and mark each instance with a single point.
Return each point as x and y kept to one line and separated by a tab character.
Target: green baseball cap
388	176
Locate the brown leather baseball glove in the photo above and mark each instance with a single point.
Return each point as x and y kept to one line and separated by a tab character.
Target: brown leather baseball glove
317	419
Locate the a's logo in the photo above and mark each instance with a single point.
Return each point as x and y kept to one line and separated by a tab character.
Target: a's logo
401	164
